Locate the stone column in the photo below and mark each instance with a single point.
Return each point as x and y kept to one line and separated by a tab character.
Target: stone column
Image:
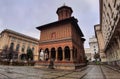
116	47
56	59
63	56
44	55
39	56
49	55
113	48
118	40
109	54
71	55
18	56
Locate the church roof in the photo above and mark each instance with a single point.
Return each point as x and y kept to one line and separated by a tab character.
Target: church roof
18	34
71	20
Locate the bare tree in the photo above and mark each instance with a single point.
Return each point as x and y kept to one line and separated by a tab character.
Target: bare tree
4	53
8	53
29	54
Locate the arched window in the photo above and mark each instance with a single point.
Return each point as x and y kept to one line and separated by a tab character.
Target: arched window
46	54
17	47
67	53
23	57
33	49
60	53
28	48
53	53
23	48
12	46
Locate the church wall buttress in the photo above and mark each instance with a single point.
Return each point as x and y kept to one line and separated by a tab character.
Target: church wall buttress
77	43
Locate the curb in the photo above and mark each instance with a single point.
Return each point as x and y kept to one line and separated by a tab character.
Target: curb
115	69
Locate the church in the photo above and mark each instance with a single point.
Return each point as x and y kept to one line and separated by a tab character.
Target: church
62	42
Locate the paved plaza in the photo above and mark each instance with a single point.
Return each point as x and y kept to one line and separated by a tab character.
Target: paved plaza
27	72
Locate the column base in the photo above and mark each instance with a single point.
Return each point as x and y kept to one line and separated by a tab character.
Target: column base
71	60
56	60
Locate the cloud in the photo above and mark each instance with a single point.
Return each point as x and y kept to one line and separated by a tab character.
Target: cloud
24	15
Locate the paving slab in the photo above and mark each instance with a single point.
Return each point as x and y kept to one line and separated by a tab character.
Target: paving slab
29	72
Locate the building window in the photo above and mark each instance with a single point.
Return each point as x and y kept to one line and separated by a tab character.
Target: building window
18	41
28	48
108	15
53	35
13	39
95	52
33	49
118	7
12	46
112	14
17	47
104	6
66	13
94	49
114	3
23	48
110	7
115	19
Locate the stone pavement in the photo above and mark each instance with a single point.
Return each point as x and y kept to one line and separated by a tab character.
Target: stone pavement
27	72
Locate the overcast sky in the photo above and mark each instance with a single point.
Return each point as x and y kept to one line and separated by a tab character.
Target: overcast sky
25	15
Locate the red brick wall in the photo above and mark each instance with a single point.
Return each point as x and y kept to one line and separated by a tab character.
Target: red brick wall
56	32
56	45
78	44
60	32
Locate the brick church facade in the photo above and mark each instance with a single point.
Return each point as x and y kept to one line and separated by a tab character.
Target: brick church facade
62	41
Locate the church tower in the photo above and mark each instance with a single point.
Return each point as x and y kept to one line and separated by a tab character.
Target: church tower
64	12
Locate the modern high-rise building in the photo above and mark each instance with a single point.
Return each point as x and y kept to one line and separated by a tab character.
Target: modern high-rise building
108	31
62	42
93	47
101	44
88	54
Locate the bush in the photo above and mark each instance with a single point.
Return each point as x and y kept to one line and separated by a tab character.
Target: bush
18	63
31	63
4	62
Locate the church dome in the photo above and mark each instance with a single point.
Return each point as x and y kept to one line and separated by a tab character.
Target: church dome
64	12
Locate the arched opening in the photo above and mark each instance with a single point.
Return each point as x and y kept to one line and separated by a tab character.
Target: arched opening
60	53
30	54
46	54
33	49
17	47
67	53
53	53
23	49
28	48
12	46
41	55
23	57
